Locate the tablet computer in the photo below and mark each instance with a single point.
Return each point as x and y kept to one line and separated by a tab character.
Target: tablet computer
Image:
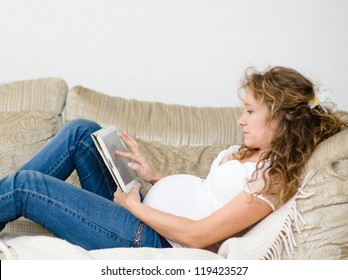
107	140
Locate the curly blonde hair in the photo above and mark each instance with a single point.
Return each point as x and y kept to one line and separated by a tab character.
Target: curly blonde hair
286	93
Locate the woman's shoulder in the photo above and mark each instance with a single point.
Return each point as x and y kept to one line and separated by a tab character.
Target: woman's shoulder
224	153
231	149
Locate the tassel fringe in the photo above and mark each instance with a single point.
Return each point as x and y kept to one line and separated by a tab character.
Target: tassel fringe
286	237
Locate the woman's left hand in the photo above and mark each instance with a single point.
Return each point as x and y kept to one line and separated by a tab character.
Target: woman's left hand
127	200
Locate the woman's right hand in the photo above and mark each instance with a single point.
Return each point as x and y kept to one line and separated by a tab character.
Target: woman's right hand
138	161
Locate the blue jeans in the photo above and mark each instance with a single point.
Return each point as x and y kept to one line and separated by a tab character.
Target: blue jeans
84	216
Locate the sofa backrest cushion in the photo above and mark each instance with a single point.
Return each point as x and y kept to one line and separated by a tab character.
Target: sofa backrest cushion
321	230
179	159
154	121
31	114
42	94
22	135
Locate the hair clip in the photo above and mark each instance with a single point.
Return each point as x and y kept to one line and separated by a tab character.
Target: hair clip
322	98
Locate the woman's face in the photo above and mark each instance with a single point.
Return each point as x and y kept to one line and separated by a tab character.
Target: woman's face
257	130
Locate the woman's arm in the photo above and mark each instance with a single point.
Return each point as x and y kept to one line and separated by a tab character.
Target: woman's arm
235	216
139	162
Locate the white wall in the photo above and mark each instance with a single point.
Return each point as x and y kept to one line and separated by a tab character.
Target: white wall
189	52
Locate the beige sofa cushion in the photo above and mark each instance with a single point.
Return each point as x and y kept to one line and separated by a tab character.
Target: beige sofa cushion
322	228
171	124
42	94
179	159
22	135
30	114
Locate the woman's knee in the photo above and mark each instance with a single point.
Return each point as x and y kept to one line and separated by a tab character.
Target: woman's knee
23	178
84	124
81	127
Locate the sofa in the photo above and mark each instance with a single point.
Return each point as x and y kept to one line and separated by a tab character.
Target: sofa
175	139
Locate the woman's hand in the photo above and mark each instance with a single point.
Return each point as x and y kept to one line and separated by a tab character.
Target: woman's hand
127	200
139	162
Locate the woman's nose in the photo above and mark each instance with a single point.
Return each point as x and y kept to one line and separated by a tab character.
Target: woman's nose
241	121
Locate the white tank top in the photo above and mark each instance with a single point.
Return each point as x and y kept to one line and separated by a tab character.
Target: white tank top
195	198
